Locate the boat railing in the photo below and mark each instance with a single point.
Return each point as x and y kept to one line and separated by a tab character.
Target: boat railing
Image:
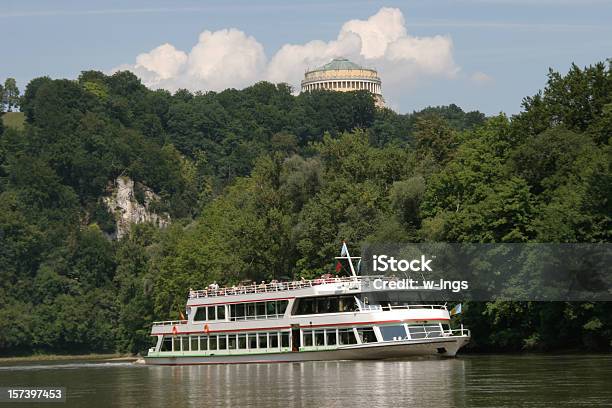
270	287
369	308
169	322
456	332
408	307
425	332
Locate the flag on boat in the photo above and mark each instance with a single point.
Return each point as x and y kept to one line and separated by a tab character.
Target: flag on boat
338	267
456	310
344	250
182	315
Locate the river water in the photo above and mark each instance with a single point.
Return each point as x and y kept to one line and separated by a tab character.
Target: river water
465	381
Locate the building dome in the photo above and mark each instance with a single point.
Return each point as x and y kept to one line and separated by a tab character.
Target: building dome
338	63
343	75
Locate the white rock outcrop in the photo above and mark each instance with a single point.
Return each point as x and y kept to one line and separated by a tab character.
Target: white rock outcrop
122	203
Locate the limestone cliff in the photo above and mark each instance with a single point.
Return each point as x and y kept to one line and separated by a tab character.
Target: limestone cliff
126	208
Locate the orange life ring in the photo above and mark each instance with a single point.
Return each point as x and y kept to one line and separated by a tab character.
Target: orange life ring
174	330
206	329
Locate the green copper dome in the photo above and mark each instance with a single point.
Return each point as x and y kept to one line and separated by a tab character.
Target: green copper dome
338	63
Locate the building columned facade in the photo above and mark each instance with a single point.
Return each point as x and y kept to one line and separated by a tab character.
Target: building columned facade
343	75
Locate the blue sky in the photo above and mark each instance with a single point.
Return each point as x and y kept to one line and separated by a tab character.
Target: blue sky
501	49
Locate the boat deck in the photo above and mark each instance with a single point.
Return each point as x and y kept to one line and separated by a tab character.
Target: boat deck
269	287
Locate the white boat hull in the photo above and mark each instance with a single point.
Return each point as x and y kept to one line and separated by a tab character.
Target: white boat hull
441	347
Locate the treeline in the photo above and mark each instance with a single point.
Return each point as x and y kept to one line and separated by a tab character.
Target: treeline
261	184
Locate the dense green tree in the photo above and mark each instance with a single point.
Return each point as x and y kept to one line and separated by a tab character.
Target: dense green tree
10	94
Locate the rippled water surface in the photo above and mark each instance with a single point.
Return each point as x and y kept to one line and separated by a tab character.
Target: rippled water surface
466	381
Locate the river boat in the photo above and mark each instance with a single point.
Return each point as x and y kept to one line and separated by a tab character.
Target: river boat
329	318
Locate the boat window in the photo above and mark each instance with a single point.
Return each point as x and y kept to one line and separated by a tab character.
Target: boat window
325	304
242	341
250	310
306	306
331	337
176	344
194	343
424	331
261	309
231	341
212	343
285	339
393	332
366	335
222	342
282	306
211	313
263	340
200	315
252	340
328	304
255	310
346	336
166	344
273	339
433	330
307	338
203	343
240	310
271	308
348	304
221	312
319	338
334	305
417	332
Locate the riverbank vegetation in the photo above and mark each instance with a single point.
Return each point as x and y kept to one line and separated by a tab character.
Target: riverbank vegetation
32	358
262	184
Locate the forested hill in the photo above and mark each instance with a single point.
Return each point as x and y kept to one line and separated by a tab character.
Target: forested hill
262	184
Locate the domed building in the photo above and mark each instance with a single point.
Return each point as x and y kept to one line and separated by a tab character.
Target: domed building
342	75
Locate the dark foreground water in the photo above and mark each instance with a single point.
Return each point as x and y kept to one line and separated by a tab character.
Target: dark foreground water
466	381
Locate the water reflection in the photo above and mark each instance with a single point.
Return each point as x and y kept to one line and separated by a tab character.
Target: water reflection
387	383
474	381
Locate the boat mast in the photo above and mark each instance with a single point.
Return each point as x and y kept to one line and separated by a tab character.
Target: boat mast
344	254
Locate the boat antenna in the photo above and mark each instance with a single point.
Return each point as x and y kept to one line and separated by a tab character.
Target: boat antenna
344	254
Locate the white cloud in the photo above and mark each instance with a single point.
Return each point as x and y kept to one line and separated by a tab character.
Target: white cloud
230	58
220	59
377	32
163	62
226	58
290	62
481	78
